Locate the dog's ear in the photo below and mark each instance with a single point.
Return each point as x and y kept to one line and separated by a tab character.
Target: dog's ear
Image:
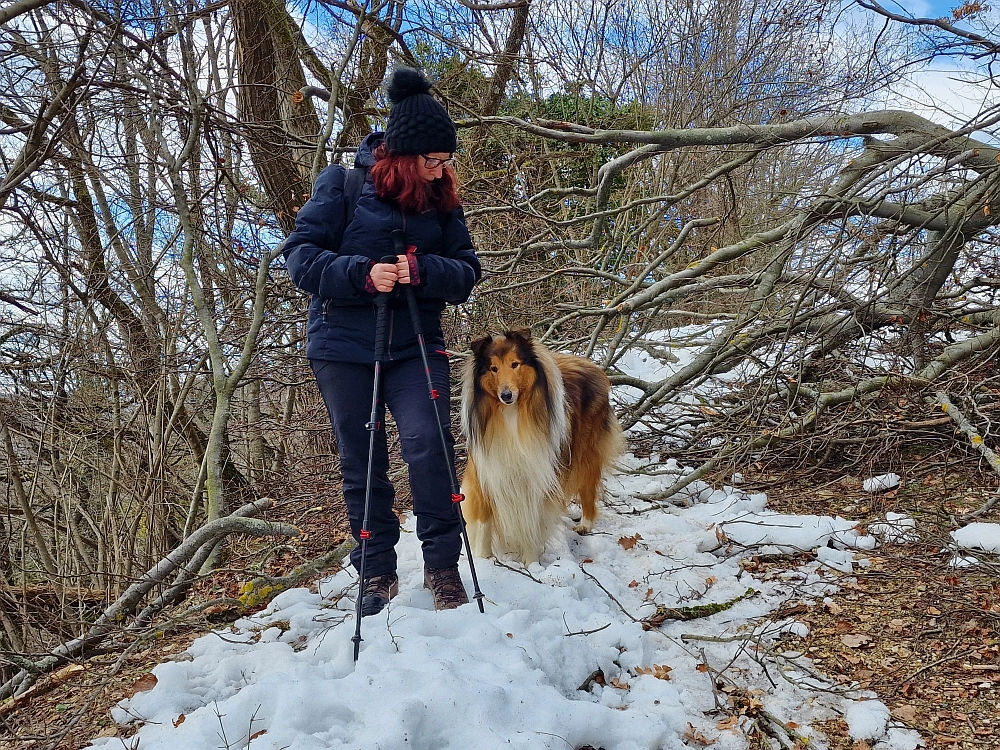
524	334
478	346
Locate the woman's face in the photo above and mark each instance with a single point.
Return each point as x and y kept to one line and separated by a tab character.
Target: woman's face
438	159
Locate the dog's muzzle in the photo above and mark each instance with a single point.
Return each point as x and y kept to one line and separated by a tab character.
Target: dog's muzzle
507	396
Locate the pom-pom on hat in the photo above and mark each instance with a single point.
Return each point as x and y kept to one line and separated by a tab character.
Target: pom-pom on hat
418	124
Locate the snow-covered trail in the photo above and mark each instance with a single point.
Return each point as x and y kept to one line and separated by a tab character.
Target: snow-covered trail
285	678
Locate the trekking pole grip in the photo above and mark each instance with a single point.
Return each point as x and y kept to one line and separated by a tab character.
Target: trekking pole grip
381	300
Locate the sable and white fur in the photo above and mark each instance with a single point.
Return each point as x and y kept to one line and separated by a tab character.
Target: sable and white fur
540	432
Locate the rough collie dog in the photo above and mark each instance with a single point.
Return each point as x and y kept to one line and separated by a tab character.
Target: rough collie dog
540	432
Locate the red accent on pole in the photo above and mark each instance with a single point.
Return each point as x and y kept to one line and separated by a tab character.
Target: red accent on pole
365	534
441	351
434	393
457	497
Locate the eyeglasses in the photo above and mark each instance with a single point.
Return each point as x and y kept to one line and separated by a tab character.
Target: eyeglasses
431	163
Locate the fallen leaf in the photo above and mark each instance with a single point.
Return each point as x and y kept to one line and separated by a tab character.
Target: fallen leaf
790	611
861	745
616	683
662	671
179	720
711	580
633	584
510	635
729	723
833	608
694	735
855	640
144	683
649	594
702	667
659	671
66	672
255	735
628	542
905	713
587	560
933	611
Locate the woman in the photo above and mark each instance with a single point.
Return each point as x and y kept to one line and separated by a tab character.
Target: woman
411	187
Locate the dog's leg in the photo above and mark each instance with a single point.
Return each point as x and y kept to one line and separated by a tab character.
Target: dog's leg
478	513
590	488
481	538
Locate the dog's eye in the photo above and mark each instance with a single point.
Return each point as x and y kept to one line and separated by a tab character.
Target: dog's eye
493	368
513	365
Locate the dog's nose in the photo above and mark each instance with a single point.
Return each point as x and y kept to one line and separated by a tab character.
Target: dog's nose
507	396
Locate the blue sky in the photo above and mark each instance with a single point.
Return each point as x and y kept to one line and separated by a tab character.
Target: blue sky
925	8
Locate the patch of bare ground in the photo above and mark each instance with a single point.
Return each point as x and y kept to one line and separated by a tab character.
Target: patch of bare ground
921	633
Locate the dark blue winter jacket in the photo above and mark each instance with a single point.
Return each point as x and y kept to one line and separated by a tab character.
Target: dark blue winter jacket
341	311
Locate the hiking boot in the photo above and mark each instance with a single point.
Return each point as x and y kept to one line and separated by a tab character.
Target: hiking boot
446	587
377	592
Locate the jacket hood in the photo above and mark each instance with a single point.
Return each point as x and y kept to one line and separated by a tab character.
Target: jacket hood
364	157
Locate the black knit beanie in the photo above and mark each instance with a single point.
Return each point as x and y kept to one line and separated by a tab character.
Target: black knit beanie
418	124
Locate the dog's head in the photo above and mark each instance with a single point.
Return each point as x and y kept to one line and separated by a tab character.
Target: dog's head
505	366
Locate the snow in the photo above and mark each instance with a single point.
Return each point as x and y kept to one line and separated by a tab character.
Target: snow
866	720
984	536
881	483
897	529
285	677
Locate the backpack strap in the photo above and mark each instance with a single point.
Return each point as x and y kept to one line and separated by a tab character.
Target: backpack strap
353	183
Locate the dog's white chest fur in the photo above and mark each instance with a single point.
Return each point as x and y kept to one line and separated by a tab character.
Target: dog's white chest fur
518	473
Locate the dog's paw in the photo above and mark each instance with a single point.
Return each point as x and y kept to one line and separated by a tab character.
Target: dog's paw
583	528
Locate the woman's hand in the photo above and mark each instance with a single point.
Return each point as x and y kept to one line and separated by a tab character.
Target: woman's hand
385	275
402	269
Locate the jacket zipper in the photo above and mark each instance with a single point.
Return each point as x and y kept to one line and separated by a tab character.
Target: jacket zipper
326	308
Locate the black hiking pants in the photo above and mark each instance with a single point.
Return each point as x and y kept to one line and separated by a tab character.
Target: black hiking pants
347	391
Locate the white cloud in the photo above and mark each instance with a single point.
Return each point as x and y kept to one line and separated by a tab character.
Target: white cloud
947	94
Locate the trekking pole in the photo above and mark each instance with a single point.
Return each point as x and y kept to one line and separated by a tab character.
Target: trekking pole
373	426
456	496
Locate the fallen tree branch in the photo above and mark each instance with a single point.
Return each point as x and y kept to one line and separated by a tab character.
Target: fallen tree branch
263	589
112	618
948	358
663	614
188	573
54	680
967	428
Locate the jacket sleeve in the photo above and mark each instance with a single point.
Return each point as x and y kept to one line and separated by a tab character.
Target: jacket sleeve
312	250
453	272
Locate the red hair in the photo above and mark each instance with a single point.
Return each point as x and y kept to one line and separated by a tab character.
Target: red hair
397	179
